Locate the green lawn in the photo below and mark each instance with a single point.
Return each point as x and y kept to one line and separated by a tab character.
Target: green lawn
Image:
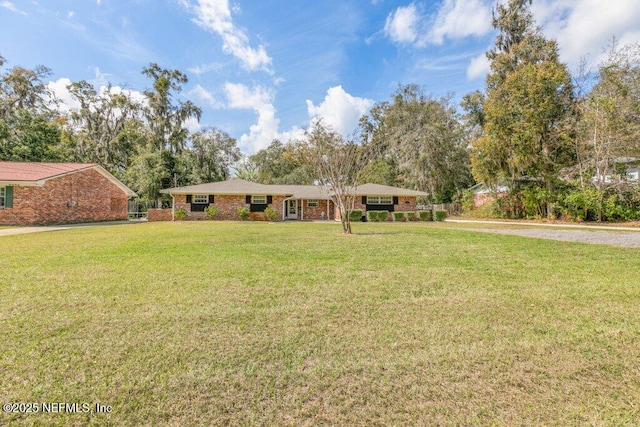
223	323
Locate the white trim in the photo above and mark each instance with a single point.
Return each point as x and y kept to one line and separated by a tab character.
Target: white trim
253	199
379	201
206	200
3	196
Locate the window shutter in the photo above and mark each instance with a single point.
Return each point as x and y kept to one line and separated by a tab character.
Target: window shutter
8	197
269	200
395	200
364	200
189	198
247	199
210	198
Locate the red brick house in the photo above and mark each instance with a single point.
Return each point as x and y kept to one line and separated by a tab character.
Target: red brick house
56	193
291	202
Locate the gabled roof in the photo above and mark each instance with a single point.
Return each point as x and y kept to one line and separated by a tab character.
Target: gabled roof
37	173
30	172
240	186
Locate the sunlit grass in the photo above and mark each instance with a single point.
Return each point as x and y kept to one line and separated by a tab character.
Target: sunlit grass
219	323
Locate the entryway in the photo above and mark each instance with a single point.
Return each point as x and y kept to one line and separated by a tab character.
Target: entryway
292	209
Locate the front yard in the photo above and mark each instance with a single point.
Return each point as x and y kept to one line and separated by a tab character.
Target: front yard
226	323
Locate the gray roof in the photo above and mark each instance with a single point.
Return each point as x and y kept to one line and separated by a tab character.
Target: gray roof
240	186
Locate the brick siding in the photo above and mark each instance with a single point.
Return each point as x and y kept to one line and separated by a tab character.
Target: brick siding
84	196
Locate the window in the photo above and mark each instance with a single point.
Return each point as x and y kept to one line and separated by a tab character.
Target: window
2	196
379	200
258	200
312	203
200	198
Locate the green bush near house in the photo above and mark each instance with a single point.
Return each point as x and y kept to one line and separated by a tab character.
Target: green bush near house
377	216
355	214
210	211
399	216
411	216
439	215
180	214
270	213
243	213
425	215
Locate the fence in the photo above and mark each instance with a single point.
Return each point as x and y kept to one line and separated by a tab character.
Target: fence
452	209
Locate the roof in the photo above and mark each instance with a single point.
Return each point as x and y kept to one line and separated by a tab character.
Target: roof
240	186
37	173
28	171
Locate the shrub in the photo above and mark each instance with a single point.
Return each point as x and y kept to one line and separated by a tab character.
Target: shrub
180	214
271	213
210	211
399	216
439	215
355	214
425	215
377	216
243	213
581	204
383	215
411	216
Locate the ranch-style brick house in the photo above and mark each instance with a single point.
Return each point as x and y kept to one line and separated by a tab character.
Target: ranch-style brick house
291	202
58	193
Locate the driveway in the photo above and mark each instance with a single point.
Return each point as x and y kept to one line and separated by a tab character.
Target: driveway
601	235
39	229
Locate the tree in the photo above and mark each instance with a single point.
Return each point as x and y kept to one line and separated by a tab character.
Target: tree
29	130
338	166
208	158
528	112
281	164
423	138
165	118
100	127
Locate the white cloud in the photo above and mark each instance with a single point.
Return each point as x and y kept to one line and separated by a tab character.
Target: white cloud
12	7
340	110
259	100
215	16
205	68
587	26
402	24
478	67
204	96
457	19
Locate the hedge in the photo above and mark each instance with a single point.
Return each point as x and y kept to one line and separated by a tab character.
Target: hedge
355	214
399	216
439	215
425	215
377	216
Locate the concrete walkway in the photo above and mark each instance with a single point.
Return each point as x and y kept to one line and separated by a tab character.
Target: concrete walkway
42	228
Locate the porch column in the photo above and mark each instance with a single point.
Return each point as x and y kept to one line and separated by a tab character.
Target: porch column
301	209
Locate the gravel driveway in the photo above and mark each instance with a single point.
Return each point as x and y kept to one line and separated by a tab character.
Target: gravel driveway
615	238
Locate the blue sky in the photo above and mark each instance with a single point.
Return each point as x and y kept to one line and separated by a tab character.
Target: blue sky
262	70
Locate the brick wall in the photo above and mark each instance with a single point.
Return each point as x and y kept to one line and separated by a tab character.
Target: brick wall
227	207
405	204
159	215
317	213
84	196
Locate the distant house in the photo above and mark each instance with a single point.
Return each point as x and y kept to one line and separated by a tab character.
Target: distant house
483	194
55	193
291	202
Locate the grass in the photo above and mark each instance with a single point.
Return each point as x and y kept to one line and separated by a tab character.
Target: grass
226	323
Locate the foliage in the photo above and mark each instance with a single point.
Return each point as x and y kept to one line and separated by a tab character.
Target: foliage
180	214
377	216
422	143
281	164
243	213
465	199
354	214
270	213
338	165
529	111
399	216
582	204
425	215
439	214
211	211
411	216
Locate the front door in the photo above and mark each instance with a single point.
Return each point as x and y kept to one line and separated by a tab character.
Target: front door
292	209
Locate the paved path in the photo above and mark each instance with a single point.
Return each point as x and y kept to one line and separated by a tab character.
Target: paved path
602	235
39	229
